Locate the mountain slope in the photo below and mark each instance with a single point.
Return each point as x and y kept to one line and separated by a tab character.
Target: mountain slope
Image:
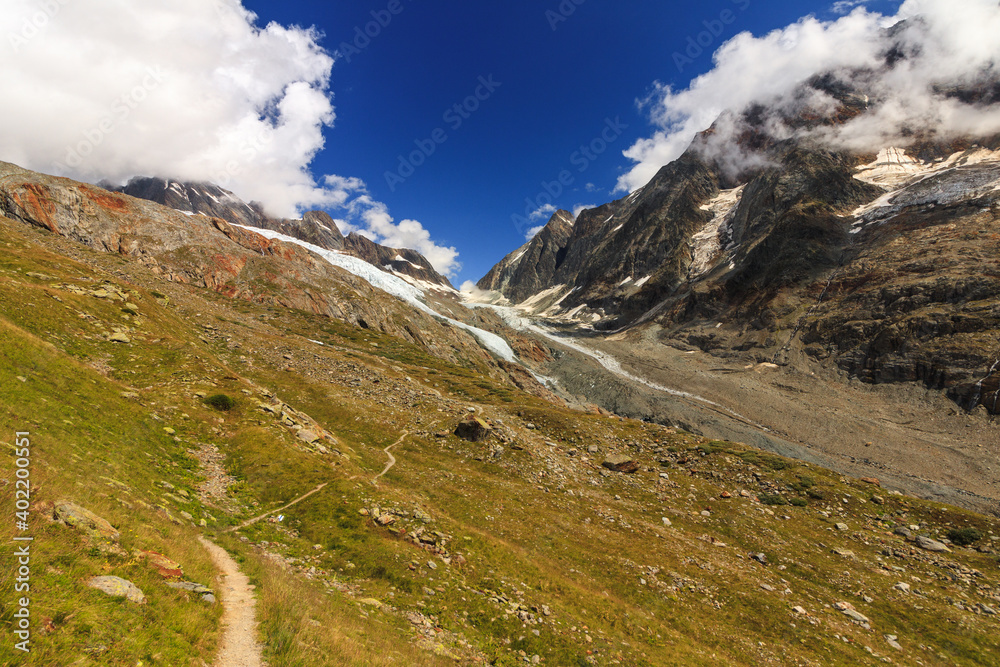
880	264
315	227
578	538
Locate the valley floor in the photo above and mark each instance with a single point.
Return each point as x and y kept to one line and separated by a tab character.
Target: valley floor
911	439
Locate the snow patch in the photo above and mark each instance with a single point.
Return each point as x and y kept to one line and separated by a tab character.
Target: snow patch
395	286
962	176
706	243
643	281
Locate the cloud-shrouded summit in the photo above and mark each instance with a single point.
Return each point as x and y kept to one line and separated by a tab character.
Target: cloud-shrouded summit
945	44
192	90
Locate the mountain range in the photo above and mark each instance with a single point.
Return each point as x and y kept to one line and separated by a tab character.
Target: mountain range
742	415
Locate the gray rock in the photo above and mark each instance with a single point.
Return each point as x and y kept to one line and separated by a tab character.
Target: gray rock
119	337
903	531
119	588
848	610
891	640
308	436
209	598
83	519
928	544
189	586
842	527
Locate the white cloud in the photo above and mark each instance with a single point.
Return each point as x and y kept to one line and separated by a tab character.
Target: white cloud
845	6
542	212
951	43
580	208
533	232
371	218
193	90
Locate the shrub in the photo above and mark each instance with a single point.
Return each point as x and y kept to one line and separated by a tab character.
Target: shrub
773	499
963	537
803	483
220	402
799	502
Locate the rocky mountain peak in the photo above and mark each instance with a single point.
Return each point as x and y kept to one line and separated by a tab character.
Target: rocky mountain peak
315	227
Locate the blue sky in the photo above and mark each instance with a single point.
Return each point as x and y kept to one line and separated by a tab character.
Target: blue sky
561	77
439	126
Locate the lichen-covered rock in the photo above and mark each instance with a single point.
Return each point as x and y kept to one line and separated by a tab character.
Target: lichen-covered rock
83	519
119	588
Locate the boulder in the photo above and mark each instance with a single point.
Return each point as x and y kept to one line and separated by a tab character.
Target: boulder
621	463
473	430
119	588
84	520
167	568
848	610
308	436
928	544
191	586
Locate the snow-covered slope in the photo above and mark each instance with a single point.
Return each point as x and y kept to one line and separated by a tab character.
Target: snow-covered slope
397	287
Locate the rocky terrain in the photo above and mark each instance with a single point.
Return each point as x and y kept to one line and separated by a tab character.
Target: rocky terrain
838	305
315	227
393	502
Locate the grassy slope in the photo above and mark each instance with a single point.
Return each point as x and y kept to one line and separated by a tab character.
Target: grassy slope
539	530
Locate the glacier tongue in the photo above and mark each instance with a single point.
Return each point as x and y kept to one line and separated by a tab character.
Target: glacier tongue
394	286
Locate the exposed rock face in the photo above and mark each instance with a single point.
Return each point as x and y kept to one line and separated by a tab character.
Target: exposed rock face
531	268
315	227
212	253
883	264
84	520
409	263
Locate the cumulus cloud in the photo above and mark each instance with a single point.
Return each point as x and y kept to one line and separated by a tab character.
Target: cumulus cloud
533	232
845	6
542	212
193	90
946	44
371	218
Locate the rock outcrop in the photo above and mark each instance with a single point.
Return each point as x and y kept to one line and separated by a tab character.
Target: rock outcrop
767	248
315	227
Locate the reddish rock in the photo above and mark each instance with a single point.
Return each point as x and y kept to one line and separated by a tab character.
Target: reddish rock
167	568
